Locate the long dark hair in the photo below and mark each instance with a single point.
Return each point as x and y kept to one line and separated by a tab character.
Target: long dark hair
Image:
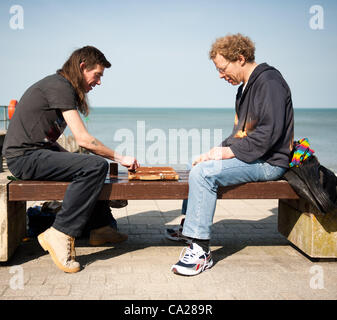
91	56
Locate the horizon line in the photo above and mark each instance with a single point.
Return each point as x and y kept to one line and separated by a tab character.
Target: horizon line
184	107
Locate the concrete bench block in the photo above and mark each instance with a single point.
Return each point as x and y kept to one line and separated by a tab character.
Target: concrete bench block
312	232
12	221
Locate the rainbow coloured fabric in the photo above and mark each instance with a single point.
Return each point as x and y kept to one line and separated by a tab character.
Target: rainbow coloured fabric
302	151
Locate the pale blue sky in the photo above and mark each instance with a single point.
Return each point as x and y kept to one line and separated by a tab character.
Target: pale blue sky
159	49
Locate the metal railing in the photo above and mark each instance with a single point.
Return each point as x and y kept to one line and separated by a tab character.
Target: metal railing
3	129
4	121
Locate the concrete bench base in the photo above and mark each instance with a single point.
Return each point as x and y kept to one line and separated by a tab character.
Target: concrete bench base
12	222
311	231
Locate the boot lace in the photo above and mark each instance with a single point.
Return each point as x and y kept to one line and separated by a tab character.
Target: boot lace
189	256
71	253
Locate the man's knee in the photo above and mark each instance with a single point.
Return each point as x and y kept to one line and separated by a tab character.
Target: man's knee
97	164
196	172
102	165
205	172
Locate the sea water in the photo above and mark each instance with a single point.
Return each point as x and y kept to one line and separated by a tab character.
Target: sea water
174	136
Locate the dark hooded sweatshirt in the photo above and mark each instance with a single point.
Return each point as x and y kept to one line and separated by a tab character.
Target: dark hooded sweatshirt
264	120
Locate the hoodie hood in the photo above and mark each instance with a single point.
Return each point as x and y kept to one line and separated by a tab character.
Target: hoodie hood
255	74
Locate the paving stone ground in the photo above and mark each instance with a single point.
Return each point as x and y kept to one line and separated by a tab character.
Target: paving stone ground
252	261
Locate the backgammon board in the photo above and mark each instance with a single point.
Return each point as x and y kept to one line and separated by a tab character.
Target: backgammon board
153	173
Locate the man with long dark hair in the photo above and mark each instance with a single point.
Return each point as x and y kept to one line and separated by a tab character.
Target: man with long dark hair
32	153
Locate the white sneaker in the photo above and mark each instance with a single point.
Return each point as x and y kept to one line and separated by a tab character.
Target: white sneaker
192	261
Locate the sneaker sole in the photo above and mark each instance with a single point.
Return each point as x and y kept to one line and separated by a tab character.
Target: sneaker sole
44	244
188	272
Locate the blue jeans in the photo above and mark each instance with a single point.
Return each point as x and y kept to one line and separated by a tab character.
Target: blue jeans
204	180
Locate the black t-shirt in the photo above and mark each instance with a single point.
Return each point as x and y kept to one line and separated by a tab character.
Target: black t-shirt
38	122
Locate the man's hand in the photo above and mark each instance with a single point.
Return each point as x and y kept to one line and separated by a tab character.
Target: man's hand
216	153
203	157
220	153
130	163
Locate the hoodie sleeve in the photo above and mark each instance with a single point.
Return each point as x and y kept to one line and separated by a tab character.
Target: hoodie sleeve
269	104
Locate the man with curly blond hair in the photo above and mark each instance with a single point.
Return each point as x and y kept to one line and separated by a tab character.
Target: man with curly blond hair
257	150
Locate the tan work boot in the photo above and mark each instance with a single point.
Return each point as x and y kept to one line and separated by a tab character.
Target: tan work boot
106	234
61	248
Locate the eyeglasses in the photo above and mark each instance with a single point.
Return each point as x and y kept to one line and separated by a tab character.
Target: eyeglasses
223	70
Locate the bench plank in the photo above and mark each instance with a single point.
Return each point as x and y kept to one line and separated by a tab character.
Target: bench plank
119	187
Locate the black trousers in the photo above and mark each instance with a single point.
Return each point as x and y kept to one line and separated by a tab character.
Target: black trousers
80	210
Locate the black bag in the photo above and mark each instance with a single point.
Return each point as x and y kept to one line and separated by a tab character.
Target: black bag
315	183
39	220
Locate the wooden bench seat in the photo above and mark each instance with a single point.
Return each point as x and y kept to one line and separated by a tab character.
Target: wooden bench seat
297	220
119	187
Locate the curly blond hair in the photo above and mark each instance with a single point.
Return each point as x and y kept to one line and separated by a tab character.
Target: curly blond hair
233	45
